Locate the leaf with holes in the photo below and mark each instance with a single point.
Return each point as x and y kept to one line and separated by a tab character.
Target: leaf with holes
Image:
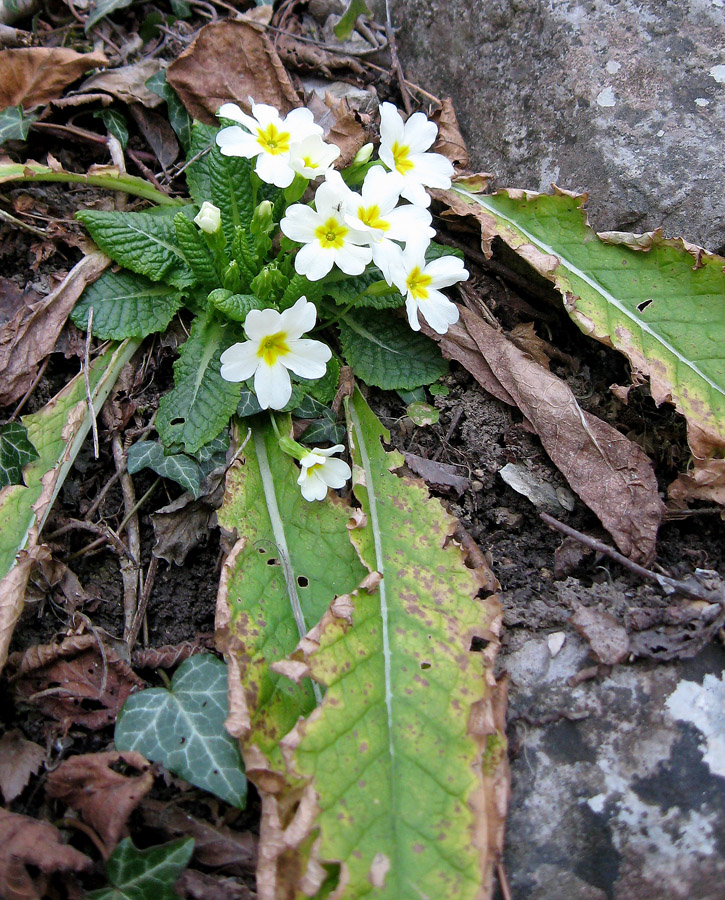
292	557
386	353
183	729
16	451
148	874
658	301
126	305
395	754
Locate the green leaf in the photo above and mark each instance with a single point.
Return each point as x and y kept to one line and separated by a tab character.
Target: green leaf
201	401
352	290
183	729
231	190
14	124
646	295
195	250
325	388
177	467
234	306
126	305
395	752
16	451
197	170
103	8
145	874
179	118
142	242
344	27
213	454
181	8
115	123
423	414
386	353
435	251
299	286
292	558
323	427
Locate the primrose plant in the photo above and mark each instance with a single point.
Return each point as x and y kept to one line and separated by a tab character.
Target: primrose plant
286	267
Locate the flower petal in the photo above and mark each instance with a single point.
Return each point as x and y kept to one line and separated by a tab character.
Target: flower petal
307	358
352	259
439	312
446	270
234	112
415	192
391	126
382	188
298	319
301	123
272	386
265	115
411	308
409	220
275	170
239	362
311	485
260	323
331	196
419	133
386	256
314	261
299	223
431	169
335	472
233	141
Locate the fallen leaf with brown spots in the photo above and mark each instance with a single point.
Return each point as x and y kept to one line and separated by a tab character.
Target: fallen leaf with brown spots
231	61
104	798
611	474
34	75
27	842
19	759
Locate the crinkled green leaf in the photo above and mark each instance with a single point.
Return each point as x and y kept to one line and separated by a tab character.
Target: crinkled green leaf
201	401
395	751
183	729
16	451
195	250
142	242
145	874
345	290
14	124
658	301
385	352
299	286
231	189
234	306
126	305
177	467
179	118
115	123
197	169
292	558
103	8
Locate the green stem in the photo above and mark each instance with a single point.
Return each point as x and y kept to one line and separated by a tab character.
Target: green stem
129	184
341	315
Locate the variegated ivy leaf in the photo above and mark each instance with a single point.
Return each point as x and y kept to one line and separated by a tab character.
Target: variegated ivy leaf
16	451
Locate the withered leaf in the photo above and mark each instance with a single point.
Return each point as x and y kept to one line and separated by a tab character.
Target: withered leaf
231	61
104	798
33	75
610	473
346	127
72	682
26	842
450	141
437	474
180	527
201	886
19	759
127	83
608	639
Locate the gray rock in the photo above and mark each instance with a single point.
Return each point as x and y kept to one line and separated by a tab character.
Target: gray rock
624	99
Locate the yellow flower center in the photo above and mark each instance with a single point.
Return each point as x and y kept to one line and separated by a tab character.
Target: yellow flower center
272	140
331	234
401	152
272	347
308	163
417	283
370	215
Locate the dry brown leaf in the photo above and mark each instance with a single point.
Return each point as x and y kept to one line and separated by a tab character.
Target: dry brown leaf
344	126
32	332
158	133
608	639
27	842
200	886
437	474
19	759
705	481
610	473
73	682
34	75
525	337
104	798
127	83
231	61
450	141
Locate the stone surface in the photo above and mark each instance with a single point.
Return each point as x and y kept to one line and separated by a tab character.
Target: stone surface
624	99
617	784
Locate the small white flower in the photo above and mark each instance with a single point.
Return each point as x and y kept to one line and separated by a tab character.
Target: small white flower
209	218
374	212
319	472
420	283
312	157
328	239
403	148
269	137
273	347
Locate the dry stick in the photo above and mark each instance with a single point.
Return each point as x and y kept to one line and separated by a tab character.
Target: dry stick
668	585
503	881
87	382
18	223
107	536
390	33
130	572
24	398
143	603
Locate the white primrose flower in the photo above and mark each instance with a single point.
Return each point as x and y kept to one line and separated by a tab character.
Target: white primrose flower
320	472
269	137
312	157
273	347
420	284
327	237
209	218
375	213
403	148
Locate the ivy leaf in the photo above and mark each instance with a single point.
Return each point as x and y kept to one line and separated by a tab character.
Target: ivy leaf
179	118
142	242
249	406
183	729
16	451
103	8
145	874
115	123
386	353
14	124
126	305
177	466
201	401
213	454
435	250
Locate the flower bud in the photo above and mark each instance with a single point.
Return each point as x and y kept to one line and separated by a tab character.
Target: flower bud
270	280
262	222
292	448
209	218
363	155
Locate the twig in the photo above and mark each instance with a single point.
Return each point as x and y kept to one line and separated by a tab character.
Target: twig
130	572
34	384
18	223
146	172
107	535
668	585
503	882
390	34
87	382
93	508
142	603
72	131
